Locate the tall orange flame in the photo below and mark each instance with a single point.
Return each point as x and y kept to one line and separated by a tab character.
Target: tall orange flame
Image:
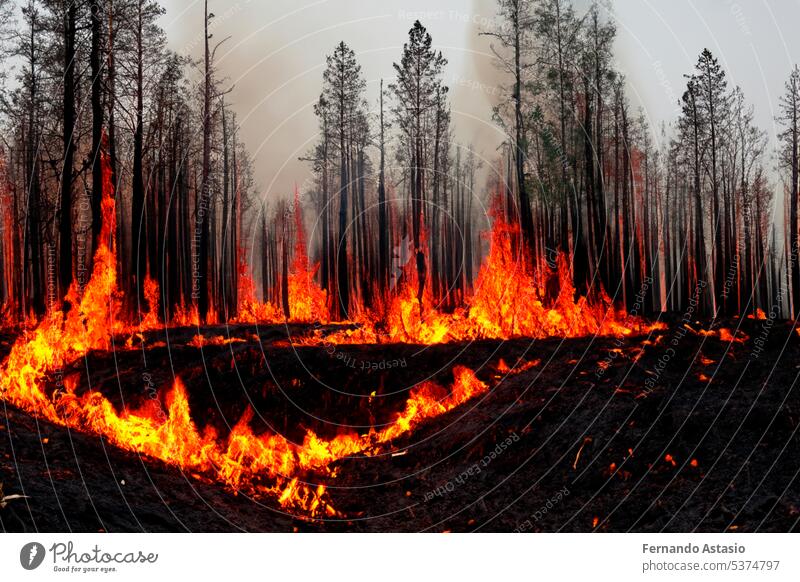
507	302
308	302
260	464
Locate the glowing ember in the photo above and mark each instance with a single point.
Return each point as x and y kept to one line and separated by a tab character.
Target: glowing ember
520	367
198	341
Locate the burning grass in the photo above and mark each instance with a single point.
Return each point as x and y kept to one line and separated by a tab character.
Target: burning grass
507	303
550	398
243	461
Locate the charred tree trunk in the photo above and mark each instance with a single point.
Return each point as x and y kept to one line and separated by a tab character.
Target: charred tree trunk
97	121
520	145
112	140
342	274
285	269
699	259
205	193
68	105
33	245
170	294
225	275
138	228
235	229
384	260
794	265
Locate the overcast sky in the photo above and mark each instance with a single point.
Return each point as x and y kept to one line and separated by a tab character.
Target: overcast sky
277	50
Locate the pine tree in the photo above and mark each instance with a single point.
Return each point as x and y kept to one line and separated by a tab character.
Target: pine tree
343	89
712	102
417	91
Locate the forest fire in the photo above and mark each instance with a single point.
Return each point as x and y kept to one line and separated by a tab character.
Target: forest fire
268	464
508	302
305	301
241	462
244	460
428	333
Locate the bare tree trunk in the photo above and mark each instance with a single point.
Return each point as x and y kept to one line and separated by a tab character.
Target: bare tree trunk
33	247
342	276
384	261
285	268
138	242
97	121
225	275
112	142
520	147
205	194
65	224
793	201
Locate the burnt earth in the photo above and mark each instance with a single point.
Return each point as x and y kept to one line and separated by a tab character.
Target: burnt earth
669	431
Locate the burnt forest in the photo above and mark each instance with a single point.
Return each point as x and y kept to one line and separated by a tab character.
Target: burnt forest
591	326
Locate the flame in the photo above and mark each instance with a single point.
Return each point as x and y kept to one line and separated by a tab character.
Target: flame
245	460
518	368
260	464
151	295
88	322
250	309
508	302
307	300
186	316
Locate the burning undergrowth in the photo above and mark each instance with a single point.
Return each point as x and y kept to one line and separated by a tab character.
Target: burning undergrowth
264	461
509	300
707	440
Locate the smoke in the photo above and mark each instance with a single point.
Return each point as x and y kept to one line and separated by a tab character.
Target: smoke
276	54
481	90
489	82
